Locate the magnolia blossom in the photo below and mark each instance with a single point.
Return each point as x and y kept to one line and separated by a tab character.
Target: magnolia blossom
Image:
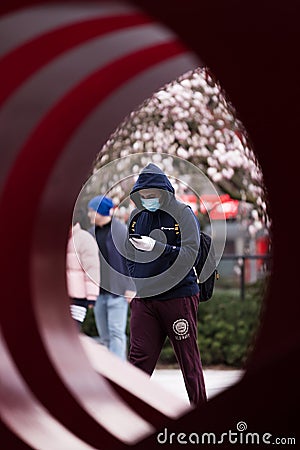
211	171
192	118
227	173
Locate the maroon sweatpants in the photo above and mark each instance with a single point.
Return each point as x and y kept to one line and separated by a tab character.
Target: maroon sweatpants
151	322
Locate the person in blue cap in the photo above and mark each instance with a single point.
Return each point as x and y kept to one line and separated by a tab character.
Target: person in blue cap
116	286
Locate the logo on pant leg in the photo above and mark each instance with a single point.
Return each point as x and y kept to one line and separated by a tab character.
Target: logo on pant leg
181	328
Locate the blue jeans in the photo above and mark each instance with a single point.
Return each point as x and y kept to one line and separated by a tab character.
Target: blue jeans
111	318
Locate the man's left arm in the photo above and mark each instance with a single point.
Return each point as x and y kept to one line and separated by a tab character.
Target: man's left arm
190	239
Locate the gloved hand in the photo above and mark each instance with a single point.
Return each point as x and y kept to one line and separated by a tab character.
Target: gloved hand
145	243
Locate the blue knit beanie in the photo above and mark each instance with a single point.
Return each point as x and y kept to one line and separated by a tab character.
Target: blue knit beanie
101	204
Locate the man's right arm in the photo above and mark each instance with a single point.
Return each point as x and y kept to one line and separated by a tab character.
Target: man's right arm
129	248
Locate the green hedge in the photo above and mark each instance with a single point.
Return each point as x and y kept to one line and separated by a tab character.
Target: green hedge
227	327
89	325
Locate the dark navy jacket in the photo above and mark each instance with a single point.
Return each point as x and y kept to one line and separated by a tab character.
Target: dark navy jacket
116	272
167	271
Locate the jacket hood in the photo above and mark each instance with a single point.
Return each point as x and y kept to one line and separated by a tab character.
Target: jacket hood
151	177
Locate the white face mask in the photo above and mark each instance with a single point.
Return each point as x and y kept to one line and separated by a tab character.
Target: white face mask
151	204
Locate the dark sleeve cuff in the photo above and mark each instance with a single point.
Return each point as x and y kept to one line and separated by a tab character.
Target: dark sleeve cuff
91	302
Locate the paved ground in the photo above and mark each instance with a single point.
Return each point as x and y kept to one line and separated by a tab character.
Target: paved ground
216	380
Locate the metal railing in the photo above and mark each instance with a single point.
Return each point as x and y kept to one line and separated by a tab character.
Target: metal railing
241	262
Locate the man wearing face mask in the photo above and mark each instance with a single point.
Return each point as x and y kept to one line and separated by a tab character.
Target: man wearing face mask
163	247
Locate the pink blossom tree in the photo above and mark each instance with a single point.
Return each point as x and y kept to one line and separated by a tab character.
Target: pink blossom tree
191	118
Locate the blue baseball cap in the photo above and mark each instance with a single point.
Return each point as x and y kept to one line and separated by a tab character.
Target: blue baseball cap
101	204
